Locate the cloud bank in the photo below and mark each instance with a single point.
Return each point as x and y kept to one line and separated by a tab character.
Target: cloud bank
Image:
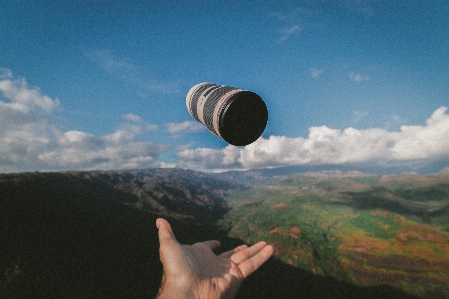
326	146
29	141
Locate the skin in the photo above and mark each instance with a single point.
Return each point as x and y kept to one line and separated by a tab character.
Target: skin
195	271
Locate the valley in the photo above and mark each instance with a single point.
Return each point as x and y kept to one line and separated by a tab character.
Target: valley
92	234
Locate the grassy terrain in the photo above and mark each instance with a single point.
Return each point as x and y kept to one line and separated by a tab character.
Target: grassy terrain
368	230
92	234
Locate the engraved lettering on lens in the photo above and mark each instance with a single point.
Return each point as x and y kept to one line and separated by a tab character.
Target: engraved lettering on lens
236	115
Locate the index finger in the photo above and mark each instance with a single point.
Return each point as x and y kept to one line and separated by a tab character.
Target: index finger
229	253
247	253
253	263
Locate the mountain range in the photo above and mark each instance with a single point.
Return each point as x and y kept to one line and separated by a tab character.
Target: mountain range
93	235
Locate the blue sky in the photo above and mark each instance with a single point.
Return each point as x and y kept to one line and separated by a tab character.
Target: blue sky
102	84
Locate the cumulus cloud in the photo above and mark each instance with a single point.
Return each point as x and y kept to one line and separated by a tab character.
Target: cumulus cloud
184	127
140	125
118	150
93	153
326	146
29	141
21	97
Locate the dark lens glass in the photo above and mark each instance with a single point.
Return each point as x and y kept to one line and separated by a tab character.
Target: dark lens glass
243	119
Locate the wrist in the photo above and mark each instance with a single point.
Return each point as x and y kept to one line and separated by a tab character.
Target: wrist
175	290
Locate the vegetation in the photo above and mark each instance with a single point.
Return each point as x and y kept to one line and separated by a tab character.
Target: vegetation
369	230
92	234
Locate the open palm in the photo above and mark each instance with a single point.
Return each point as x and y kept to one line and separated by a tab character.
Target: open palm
194	271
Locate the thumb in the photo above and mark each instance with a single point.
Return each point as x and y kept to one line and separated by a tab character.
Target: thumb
166	235
169	248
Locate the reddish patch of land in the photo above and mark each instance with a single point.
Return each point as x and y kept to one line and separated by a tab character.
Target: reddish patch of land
294	232
281	206
384	214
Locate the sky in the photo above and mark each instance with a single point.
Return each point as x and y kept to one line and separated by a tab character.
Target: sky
101	85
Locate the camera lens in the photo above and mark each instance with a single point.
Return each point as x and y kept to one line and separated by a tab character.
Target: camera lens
237	116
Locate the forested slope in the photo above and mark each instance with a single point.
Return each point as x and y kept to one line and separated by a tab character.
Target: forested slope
93	235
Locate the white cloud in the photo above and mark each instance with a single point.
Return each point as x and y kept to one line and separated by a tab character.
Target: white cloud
330	146
167	165
21	97
133	118
131	154
315	73
29	141
357	77
398	119
289	21
129	72
359	115
75	139
185	127
287	32
395	121
139	126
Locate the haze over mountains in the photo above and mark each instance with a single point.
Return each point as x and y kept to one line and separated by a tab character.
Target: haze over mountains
93	234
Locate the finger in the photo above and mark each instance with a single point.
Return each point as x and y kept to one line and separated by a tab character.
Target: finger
212	244
250	265
166	235
247	253
229	253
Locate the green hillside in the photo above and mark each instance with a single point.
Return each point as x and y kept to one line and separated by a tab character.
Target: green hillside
367	230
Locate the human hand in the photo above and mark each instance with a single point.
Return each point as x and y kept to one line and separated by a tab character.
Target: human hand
194	271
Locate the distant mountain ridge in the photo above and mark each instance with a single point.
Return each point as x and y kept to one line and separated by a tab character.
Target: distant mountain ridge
369	169
177	193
